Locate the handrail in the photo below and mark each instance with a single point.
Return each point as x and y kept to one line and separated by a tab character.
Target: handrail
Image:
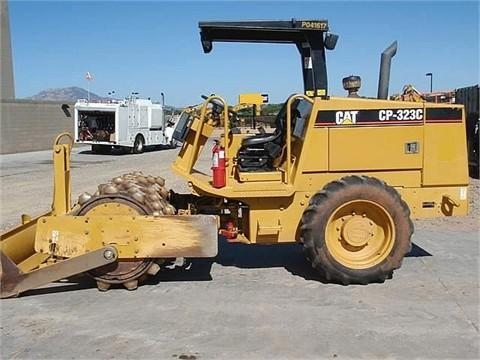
202	119
61	175
61	135
289	131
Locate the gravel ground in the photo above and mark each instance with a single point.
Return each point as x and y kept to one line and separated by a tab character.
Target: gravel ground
250	302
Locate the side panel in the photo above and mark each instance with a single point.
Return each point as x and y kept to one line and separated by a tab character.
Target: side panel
122	124
274	220
153	137
142	116
144	119
312	183
445	154
428	202
375	148
155	117
357	134
134	237
315	156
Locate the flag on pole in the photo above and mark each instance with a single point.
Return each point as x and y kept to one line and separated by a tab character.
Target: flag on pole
88	77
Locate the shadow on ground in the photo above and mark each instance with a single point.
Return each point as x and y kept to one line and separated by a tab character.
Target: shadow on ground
287	256
125	151
74	283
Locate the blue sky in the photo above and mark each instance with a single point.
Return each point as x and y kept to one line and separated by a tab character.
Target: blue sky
153	47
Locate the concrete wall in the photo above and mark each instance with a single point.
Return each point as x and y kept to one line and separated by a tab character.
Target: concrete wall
7	90
31	126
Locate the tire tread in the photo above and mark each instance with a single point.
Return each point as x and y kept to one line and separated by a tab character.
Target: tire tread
316	251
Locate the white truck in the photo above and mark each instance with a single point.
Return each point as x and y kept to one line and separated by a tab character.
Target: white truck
131	124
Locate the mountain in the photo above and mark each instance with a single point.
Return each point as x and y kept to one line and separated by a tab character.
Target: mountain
72	93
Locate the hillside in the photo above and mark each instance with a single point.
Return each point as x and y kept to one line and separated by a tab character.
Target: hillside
64	94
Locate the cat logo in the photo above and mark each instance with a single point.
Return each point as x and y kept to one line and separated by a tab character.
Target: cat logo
346	117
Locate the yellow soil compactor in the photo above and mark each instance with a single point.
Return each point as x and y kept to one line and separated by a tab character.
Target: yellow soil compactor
342	176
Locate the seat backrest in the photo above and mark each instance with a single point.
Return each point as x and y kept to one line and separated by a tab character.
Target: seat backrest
281	121
280	133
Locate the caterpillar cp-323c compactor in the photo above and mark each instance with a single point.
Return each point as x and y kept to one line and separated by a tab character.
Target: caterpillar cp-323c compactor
342	176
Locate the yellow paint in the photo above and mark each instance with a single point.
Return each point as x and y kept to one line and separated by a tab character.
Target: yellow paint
418	198
133	236
327	153
380	148
33	262
445	155
18	243
251	98
260	176
360	234
61	178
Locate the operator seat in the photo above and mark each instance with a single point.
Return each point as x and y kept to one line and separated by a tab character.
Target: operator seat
258	152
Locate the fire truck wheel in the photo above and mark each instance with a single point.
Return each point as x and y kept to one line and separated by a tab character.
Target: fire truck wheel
139	144
356	230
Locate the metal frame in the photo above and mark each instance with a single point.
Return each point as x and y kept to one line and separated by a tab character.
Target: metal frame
307	35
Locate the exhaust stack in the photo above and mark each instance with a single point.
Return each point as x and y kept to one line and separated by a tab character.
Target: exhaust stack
384	77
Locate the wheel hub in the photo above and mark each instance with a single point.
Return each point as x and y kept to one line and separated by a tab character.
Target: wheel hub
357	230
360	234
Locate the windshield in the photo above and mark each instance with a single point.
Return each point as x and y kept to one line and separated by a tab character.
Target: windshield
300	113
303	110
182	125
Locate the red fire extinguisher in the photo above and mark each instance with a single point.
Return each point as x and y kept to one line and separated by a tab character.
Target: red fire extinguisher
218	165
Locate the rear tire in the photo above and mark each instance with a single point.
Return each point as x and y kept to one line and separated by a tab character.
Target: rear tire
356	230
139	145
